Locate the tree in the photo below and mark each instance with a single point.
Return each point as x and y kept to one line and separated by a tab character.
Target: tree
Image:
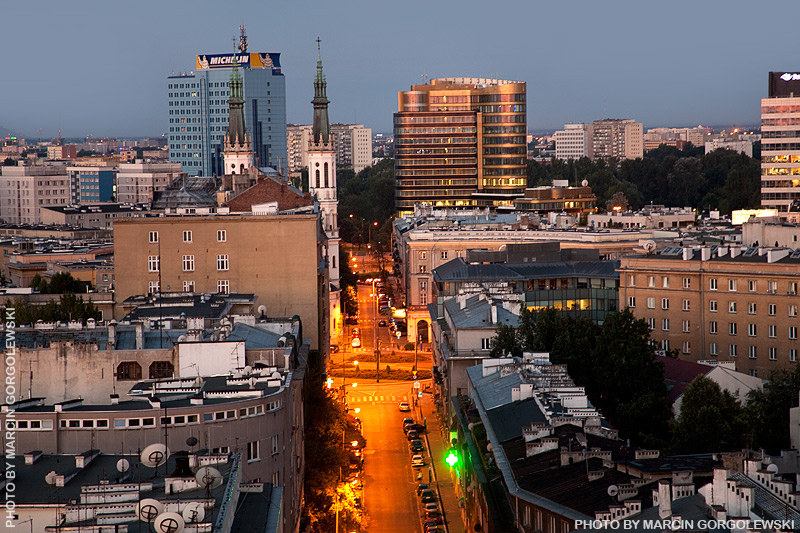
711	420
618	199
767	410
505	342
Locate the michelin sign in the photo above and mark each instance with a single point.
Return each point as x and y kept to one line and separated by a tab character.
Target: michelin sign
249	60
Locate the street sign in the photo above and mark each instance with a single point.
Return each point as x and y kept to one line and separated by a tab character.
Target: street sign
420	394
416	385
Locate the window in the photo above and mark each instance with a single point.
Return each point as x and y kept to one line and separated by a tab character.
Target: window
733	350
732	285
188	263
187	236
651	323
665	282
153	263
486	343
223	286
732	328
686	326
276	477
792	310
712	349
422	269
773	353
631	301
751	285
631	280
153	237
731	307
772	309
651	303
685	305
422	255
687	347
665	324
274	442
712	306
161	370
712	327
772	287
712	284
793	355
793	332
751	308
222	262
687	283
129	371
754	372
153	287
444	255
664	303
751	330
222	235
188	286
665	345
751	353
793	287
253	451
651	281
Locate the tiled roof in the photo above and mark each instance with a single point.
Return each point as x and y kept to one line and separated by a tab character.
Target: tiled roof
269	189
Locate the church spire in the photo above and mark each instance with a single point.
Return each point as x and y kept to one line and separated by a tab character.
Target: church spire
236	130
321	129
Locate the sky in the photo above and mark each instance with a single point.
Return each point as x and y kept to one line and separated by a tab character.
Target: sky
100	67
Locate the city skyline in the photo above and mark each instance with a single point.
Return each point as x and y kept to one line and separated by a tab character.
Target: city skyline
101	69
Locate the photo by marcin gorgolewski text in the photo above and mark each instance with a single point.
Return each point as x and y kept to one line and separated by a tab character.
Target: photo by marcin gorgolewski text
11	423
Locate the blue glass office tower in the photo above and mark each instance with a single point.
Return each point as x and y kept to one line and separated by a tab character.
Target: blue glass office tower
198	111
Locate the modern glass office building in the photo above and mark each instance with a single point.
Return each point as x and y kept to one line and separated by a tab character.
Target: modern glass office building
198	111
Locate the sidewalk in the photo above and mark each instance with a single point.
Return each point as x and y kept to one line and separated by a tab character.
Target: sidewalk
437	451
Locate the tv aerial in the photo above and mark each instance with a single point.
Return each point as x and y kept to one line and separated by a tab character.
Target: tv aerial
148	509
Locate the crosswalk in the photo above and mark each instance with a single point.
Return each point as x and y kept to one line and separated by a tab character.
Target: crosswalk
353	398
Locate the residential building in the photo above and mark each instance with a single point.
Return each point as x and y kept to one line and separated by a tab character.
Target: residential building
460	142
574	141
780	142
678	137
61	152
560	198
198	110
89	185
138	182
726	304
99	216
617	138
218	254
24	189
770	231
352	143
649	217
743	146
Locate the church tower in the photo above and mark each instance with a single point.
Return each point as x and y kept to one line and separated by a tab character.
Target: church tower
322	185
238	148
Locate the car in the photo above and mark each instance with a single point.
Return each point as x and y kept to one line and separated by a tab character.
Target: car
419	428
407	427
433	506
436	516
416	445
417	460
382	324
404	407
356	342
407	420
356	332
421	487
430	526
427	496
334	348
411	435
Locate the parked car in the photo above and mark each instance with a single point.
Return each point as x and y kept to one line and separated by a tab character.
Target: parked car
436	516
411	435
421	487
433	506
408	427
419	428
416	445
407	420
417	460
430	526
404	407
382	323
427	496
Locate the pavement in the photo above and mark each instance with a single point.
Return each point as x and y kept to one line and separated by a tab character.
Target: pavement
438	447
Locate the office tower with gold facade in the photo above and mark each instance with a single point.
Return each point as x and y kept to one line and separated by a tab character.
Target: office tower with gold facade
460	142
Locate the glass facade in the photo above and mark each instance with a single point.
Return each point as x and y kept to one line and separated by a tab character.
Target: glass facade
780	152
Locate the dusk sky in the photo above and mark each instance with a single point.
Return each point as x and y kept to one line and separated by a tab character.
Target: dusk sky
100	67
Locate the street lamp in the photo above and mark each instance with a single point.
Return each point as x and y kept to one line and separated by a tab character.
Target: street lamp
375	334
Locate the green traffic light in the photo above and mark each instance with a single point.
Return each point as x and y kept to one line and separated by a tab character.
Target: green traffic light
451	459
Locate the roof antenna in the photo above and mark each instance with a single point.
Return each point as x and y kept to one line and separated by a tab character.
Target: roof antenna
242	39
424	78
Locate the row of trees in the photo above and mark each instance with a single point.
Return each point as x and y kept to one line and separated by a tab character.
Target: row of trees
69	306
623	378
722	179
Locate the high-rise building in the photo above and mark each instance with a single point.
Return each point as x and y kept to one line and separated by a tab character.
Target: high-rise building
138	182
617	138
198	110
26	188
352	143
460	142
574	141
780	142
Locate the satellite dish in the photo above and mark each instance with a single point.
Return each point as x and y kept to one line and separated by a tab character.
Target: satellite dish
123	465
193	512
192	441
169	523
155	455
649	246
585	183
148	509
276	375
182	338
612	490
248	370
252	381
262	310
773	468
50	477
208	477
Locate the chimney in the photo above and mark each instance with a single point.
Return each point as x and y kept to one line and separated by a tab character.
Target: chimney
687	254
735	251
139	336
494	313
705	253
114	399
112	335
664	499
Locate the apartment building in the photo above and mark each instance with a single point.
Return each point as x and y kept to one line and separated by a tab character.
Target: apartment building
137	182
574	141
26	188
780	142
617	138
718	304
352	143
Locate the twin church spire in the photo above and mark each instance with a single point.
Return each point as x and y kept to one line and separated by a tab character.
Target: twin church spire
321	130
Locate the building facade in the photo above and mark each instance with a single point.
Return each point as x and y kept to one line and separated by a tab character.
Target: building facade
137	182
617	138
574	141
100	216
198	111
460	142
352	142
734	304
91	184
25	189
780	142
